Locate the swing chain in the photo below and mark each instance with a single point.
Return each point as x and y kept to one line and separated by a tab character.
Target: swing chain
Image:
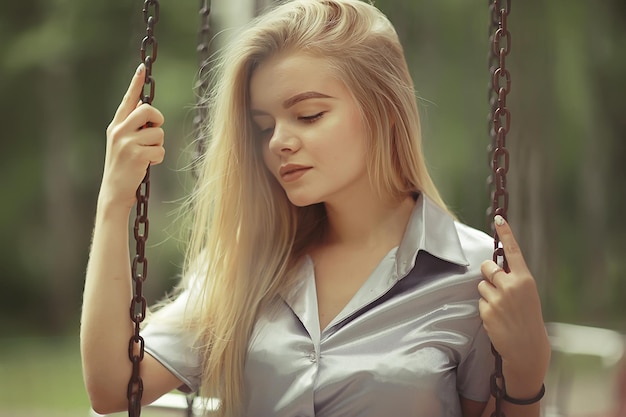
499	125
149	47
139	267
202	85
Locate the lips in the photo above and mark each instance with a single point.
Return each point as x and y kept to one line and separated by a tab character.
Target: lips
290	172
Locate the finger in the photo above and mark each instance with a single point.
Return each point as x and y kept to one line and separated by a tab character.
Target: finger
486	312
129	102
486	290
491	271
513	253
149	137
155	154
144	116
143	147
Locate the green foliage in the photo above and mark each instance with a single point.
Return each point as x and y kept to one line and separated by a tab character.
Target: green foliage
42	374
65	64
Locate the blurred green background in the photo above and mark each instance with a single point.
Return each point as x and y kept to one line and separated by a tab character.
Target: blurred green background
64	66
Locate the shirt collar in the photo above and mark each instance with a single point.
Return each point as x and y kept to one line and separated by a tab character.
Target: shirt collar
430	229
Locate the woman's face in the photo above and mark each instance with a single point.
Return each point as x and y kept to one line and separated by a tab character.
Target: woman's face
310	128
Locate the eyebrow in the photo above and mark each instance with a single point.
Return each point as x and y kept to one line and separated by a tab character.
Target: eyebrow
301	97
292	101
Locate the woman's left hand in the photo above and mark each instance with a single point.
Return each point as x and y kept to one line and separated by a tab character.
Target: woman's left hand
511	312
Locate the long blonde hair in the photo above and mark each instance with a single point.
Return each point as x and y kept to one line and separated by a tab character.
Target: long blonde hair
246	235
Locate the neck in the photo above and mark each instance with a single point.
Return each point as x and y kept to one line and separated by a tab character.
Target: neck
368	222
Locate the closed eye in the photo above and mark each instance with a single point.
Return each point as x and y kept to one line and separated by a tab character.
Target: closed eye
265	133
312	118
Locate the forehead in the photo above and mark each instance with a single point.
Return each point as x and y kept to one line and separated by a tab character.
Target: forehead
285	75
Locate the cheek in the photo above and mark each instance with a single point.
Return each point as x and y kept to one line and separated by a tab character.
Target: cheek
356	136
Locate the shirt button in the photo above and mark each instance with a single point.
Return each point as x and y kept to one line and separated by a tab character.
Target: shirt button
313	357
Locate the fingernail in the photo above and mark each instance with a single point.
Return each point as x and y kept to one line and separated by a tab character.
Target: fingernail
140	68
499	220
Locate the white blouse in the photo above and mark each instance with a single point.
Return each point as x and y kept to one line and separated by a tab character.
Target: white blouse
408	344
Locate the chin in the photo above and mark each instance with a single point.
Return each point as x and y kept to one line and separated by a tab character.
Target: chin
301	203
302	200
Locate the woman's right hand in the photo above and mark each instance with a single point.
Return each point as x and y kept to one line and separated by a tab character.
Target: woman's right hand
134	141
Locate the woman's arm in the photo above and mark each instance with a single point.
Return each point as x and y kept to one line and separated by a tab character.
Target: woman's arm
105	323
511	312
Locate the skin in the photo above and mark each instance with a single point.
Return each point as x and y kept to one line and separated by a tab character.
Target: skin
105	325
323	131
511	311
308	117
326	135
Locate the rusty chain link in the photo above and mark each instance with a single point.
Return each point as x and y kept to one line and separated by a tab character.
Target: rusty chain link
149	46
499	126
139	267
500	40
202	85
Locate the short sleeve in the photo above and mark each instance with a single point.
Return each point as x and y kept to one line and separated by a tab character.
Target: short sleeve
170	343
474	371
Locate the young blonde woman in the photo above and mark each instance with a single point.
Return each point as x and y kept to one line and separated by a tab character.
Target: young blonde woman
324	276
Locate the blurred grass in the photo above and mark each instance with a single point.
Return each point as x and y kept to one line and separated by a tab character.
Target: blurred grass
41	375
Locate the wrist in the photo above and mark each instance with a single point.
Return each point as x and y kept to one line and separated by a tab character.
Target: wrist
108	208
525	384
109	201
524	376
526	400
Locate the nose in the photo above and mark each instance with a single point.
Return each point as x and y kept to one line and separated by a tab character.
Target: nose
283	140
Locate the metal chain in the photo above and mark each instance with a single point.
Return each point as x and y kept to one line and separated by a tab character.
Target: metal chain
500	123
139	268
202	86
